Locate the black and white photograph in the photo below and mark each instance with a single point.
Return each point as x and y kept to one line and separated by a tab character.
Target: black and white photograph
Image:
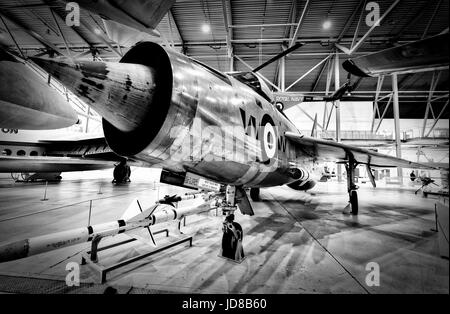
224	151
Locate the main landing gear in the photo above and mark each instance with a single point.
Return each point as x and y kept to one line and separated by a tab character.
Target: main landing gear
122	172
351	186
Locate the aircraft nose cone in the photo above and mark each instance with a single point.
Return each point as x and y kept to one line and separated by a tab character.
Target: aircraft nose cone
121	93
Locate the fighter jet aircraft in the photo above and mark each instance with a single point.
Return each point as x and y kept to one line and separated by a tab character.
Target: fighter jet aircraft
205	129
164	109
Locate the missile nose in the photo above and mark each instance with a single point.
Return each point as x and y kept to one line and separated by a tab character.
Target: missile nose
120	92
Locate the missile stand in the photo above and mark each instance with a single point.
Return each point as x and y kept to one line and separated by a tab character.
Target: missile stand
165	210
90	258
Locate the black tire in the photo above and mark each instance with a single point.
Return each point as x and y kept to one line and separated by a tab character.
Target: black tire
120	173
254	194
128	173
354	202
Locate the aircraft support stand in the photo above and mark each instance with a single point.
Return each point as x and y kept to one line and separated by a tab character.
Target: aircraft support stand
350	167
90	258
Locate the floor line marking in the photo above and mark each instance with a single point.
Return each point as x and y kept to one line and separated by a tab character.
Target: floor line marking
68	205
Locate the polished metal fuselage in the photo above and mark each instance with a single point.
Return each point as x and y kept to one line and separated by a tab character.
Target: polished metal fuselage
215	127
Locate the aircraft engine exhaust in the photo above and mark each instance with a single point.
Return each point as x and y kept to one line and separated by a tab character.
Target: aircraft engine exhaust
120	93
133	96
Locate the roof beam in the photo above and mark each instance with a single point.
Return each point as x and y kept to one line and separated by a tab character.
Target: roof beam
349	22
316	81
32	33
12	37
261	25
177	29
433	85
375	40
414	20
376	24
227	21
281	64
100	37
356	33
299	24
75	29
405	80
61	33
375	102
292	20
437	119
260	75
24	6
431	19
308	72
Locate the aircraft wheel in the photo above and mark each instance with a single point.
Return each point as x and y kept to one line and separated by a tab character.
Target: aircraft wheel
354	202
254	194
121	173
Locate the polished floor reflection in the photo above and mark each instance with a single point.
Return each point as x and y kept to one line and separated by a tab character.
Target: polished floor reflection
296	243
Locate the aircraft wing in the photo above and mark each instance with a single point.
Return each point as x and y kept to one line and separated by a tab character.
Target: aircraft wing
65	155
421	55
142	15
334	151
51	164
27	101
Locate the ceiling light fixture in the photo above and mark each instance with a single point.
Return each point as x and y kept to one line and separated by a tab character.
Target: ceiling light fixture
326	24
206	28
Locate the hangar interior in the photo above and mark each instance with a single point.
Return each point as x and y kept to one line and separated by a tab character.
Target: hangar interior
298	242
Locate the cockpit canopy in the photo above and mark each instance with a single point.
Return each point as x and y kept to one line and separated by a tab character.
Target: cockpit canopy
255	82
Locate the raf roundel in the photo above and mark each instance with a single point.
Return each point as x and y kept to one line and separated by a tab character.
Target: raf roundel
269	139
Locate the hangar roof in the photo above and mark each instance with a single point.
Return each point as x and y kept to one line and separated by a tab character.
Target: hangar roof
257	30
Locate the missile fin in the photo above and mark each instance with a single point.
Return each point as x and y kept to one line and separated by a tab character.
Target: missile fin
152	237
133	210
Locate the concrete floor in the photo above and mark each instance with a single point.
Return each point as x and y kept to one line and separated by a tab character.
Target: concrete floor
296	243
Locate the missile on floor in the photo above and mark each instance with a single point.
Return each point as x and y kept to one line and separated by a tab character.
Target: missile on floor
133	218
